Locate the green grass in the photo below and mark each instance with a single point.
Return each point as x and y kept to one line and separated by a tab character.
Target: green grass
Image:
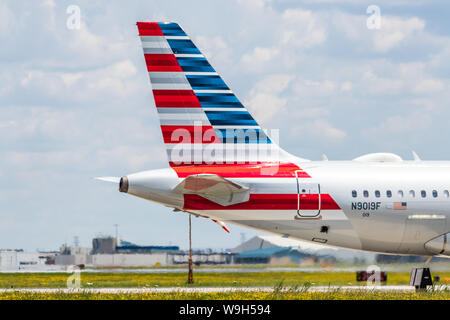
207	279
287	295
287	285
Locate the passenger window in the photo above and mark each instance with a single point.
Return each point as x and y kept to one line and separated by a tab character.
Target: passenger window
435	194
412	193
388	193
354	194
400	193
365	193
377	193
423	193
446	194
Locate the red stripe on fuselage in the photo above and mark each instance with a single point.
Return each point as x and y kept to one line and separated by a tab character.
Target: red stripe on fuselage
327	203
162	63
149	29
189	134
311	202
176	99
264	202
261	170
256	202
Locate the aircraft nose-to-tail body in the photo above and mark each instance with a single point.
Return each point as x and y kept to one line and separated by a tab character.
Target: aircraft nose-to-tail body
224	166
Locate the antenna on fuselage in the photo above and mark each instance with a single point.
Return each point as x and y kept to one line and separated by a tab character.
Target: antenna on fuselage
415	156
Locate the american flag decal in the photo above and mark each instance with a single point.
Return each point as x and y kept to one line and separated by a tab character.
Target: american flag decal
400	206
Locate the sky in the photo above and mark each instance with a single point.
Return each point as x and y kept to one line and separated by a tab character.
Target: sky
76	103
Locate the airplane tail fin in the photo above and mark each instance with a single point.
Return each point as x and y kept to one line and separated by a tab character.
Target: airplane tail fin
202	121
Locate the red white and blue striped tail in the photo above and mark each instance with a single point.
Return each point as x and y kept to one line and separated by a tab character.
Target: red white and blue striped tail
202	121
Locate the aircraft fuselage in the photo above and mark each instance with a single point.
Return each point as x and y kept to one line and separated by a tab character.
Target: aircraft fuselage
374	206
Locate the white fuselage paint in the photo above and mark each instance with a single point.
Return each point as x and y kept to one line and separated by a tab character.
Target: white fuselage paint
375	227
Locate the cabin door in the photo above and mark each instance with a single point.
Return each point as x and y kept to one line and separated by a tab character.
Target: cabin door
308	200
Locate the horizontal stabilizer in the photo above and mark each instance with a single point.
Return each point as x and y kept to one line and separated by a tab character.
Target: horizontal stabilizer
214	188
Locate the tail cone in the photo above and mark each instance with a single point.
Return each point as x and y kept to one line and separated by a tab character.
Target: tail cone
123	184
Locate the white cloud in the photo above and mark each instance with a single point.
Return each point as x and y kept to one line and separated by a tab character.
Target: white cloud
70	79
352	26
325	130
302	28
215	49
84	42
115	80
135	158
55	160
319	128
429	86
49	3
384	77
256	60
316	88
346	86
275	83
400	127
55	124
288	35
375	84
394	31
7	20
265	105
254	3
264	100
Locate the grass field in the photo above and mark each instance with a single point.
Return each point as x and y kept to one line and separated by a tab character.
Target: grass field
287	285
287	295
204	279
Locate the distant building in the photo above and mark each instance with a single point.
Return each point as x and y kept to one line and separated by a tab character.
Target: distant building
18	259
104	245
8	260
112	252
72	255
202	257
110	245
130	259
135	249
279	250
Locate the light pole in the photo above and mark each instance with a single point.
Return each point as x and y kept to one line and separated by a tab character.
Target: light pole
117	231
190	273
